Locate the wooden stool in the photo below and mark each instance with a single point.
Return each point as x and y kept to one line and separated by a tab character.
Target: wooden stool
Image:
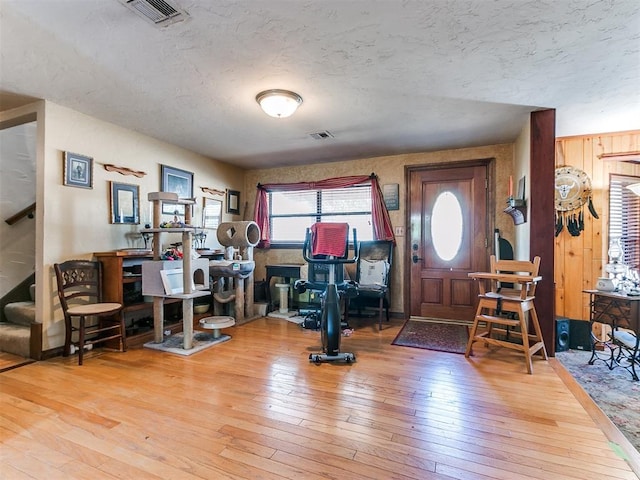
500	305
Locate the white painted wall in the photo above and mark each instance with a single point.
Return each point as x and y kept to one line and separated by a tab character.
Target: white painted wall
17	191
74	222
522	168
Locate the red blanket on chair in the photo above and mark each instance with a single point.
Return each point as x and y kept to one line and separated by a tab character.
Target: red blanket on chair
329	239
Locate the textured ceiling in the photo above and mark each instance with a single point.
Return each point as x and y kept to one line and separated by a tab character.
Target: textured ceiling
383	77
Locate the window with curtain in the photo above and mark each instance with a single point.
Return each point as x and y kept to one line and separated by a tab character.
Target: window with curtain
624	218
331	199
292	212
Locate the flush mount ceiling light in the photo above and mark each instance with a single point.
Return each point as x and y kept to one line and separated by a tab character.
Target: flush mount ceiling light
635	188
279	103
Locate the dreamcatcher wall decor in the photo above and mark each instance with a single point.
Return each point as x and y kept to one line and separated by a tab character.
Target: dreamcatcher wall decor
573	191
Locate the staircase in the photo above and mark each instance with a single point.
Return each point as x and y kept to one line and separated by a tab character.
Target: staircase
20	333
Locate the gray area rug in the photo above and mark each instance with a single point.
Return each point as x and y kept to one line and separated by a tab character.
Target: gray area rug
614	391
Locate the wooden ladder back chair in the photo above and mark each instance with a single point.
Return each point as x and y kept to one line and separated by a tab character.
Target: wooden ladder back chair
80	293
509	312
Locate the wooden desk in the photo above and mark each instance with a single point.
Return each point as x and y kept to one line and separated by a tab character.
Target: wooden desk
286	271
617	310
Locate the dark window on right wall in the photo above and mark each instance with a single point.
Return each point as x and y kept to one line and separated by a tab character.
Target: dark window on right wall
624	218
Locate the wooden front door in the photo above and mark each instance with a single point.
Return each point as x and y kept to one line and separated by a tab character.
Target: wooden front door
449	237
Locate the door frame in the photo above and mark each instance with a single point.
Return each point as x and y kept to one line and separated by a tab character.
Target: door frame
490	165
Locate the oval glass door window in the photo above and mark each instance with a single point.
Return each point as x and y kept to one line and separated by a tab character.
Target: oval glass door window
446	226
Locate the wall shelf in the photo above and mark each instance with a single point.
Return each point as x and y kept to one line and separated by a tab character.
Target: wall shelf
124	170
517	209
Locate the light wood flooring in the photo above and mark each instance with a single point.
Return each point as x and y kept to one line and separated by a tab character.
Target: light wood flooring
255	408
9	361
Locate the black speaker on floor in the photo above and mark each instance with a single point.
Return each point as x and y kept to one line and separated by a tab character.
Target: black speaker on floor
579	335
562	334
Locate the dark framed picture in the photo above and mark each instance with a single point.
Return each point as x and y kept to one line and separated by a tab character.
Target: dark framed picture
391	195
78	170
125	203
233	202
177	181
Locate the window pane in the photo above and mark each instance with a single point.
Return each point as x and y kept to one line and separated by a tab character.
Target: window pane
292	212
447	226
362	224
293	202
290	229
354	199
624	218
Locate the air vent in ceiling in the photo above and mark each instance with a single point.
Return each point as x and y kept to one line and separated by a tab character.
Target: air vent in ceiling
321	135
158	12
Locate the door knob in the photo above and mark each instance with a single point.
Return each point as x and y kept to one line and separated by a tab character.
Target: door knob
416	258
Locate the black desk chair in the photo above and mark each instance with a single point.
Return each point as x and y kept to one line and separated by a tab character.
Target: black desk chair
372	278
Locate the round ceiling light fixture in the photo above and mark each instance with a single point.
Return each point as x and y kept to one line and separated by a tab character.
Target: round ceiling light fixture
279	103
635	188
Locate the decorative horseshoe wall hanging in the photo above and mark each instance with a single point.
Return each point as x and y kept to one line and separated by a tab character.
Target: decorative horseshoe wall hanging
573	191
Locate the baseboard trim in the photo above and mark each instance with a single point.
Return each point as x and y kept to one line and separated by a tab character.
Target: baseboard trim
35	341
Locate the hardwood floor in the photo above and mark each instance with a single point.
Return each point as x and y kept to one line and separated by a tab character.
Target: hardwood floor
254	408
9	361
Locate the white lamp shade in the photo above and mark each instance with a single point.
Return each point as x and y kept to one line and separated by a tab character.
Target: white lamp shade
635	188
279	103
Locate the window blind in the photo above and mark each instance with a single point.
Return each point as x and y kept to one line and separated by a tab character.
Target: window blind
292	212
624	218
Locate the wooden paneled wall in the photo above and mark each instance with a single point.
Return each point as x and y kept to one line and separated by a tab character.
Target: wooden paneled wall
579	261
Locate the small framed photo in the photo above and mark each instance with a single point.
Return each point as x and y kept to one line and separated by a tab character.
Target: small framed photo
233	202
125	203
177	181
78	170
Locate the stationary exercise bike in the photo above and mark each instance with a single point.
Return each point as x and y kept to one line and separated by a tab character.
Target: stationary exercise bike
330	315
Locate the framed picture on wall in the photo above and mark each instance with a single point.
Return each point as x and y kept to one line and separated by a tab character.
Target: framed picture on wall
211	212
391	195
233	202
78	170
125	203
176	181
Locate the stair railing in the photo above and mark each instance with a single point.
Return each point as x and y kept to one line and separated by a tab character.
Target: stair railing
26	212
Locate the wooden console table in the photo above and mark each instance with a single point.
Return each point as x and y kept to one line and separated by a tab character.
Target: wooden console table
619	311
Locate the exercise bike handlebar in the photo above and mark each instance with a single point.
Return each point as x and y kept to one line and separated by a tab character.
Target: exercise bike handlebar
306	251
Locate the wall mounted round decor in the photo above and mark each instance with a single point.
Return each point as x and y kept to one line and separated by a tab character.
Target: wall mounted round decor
573	190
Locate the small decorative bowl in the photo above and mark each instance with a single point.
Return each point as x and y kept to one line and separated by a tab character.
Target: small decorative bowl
201	308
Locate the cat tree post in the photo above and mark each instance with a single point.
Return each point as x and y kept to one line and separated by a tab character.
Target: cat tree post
242	236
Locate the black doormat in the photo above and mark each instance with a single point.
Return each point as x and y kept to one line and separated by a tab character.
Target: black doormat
443	337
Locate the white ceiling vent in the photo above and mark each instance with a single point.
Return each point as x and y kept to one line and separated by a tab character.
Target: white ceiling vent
321	135
158	12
